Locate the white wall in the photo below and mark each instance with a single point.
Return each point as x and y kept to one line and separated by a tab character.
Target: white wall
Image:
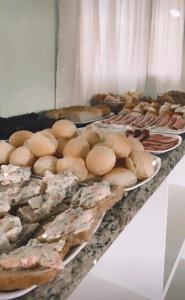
27	56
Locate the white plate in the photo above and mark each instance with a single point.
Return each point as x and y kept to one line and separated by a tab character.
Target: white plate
166	130
178	137
120	127
94	120
157	164
15	294
69	258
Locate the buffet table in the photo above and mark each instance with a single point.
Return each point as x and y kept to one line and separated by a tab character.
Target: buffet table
112	225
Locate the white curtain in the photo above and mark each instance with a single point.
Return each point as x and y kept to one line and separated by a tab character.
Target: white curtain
116	46
166	46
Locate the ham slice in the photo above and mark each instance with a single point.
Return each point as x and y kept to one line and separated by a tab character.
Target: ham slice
161	138
171	121
144	121
179	124
164	121
158	142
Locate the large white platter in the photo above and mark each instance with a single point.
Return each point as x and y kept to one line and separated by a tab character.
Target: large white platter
167	130
157	165
94	120
178	137
121	127
72	253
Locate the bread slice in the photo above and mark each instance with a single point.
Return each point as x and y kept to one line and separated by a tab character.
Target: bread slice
17	280
79	228
117	193
77	239
79	113
34	264
28	230
28	215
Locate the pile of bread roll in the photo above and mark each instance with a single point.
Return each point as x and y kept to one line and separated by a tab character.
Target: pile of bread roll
89	154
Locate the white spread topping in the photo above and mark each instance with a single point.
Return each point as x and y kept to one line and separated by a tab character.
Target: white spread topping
31	190
61	184
13	174
10	228
70	221
58	187
36	202
90	196
4	204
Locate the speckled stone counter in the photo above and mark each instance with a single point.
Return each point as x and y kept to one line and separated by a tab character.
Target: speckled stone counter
113	223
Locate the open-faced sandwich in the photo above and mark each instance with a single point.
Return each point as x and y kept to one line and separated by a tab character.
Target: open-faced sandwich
42	219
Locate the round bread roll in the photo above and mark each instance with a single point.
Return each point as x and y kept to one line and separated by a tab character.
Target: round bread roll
5	151
76	147
64	128
18	138
22	156
73	164
46	130
100	160
136	144
93	177
99	145
119	143
42	144
93	135
140	163
45	163
121	176
61	144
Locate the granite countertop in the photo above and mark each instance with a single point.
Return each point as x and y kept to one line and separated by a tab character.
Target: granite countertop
113	223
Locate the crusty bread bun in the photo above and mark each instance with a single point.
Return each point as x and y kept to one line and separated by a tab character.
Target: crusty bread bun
93	177
18	138
121	176
46	130
45	163
42	144
64	128
100	160
22	156
140	163
5	151
93	135
119	143
76	147
99	145
75	165
136	144
61	144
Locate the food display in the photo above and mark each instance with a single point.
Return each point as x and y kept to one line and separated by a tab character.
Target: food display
57	184
79	113
153	142
42	219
